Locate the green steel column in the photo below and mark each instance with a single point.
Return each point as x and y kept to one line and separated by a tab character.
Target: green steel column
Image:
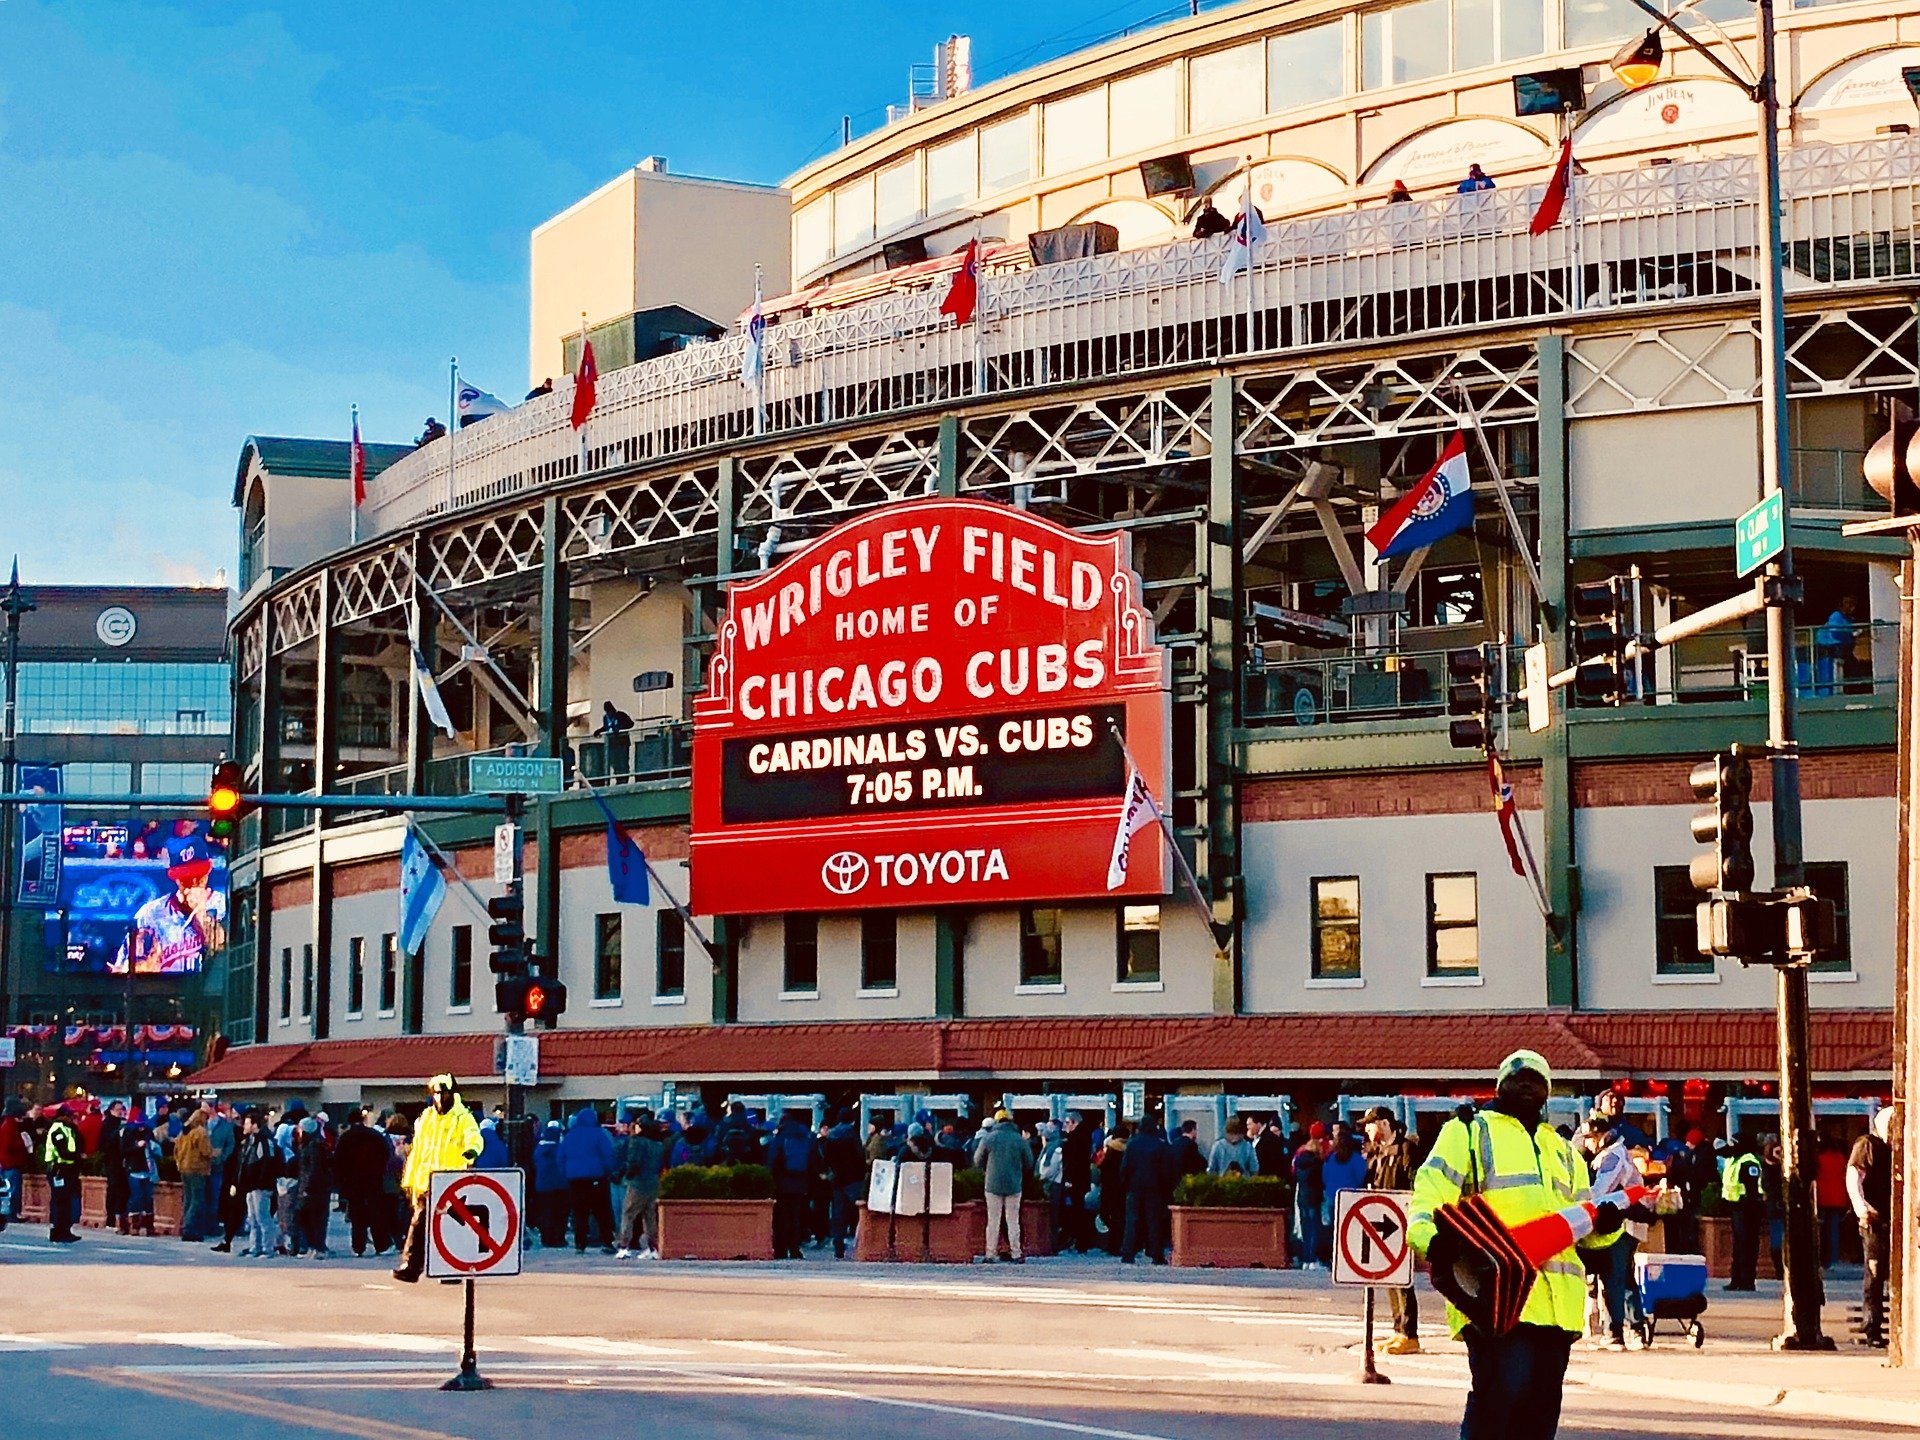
267	757
947	457
1218	621
555	627
326	755
726	970
949	956
1556	767
723	540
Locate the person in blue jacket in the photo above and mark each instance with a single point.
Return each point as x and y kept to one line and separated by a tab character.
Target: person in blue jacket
550	1188
586	1158
493	1149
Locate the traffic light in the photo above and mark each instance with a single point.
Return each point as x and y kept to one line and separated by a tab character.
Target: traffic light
226	802
507	934
1788	929
1470	693
1724	784
1601	630
530	997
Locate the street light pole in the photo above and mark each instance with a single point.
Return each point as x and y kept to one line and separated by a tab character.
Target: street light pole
15	604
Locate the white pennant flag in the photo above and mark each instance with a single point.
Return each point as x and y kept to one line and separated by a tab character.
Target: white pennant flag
1136	814
430	695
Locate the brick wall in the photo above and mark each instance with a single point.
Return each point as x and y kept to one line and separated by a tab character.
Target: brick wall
366	877
291	892
1455	791
583	849
1827	775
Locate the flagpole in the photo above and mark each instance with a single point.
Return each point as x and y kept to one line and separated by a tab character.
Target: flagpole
353	499
1200	905
979	335
760	364
453	418
587	419
1246	219
686	915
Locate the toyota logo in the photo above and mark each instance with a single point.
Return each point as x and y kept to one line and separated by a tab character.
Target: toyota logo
844	872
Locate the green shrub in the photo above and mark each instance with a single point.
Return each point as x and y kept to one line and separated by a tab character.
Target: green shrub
1246	1192
969	1185
717	1182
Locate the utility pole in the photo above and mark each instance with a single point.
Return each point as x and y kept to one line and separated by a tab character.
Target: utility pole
14	605
1800	1252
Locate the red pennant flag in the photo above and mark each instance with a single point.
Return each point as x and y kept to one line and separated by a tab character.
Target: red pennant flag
1555	200
359	465
1503	806
583	385
964	293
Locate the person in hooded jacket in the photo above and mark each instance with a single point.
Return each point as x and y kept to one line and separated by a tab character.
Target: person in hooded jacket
259	1164
314	1163
193	1158
444	1138
550	1188
140	1157
845	1161
110	1160
796	1158
360	1171
1113	1194
586	1157
493	1147
15	1150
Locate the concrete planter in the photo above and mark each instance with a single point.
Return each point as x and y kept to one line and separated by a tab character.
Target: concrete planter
716	1230
956	1239
1229	1238
1716	1243
93	1201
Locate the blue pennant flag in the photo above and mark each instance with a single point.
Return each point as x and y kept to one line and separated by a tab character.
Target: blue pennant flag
626	863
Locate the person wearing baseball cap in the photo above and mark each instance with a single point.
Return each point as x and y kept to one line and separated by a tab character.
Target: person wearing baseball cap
445	1137
1390	1166
173	934
1524	1169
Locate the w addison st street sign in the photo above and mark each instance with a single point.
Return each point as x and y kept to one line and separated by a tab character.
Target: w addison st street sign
918	710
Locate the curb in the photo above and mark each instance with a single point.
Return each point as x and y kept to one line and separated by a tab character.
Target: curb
1812	1404
1871	1410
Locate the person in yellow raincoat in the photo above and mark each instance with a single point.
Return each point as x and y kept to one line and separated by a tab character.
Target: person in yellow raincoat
1525	1169
445	1137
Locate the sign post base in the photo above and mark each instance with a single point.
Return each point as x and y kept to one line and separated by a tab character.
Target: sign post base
469	1377
1369	1375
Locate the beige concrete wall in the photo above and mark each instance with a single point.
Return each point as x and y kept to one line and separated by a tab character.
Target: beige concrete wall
307	518
582	259
698	240
646	636
1614	485
585	892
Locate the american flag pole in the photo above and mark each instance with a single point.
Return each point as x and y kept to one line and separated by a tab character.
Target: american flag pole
1246	233
758	325
453	418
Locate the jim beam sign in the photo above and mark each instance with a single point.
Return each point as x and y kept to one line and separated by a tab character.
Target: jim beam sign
918	710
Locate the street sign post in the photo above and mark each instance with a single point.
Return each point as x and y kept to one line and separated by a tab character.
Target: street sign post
1759	535
1370	1248
514	775
474	1227
506	853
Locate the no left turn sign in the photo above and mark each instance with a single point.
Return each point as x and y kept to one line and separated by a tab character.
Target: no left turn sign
474	1224
1370	1238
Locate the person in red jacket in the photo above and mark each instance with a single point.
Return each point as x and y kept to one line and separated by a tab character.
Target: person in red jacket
14	1154
89	1126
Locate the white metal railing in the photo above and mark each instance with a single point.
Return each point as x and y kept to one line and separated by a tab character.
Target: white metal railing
1632	237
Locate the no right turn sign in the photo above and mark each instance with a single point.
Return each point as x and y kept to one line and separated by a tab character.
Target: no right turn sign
1370	1245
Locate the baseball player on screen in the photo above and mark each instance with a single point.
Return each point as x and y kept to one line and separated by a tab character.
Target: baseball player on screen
173	934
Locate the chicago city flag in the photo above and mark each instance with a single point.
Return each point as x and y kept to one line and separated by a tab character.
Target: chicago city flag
1432	510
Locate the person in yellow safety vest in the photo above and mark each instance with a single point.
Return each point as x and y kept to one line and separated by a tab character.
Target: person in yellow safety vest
1743	1188
445	1137
1525	1169
60	1158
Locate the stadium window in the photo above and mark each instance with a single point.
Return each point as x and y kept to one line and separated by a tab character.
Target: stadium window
953	174
606	956
1828	880
389	974
669	955
896	196
1676	933
1336	927
1143	111
813	234
853	215
286	984
1073	131
356	977
1006	154
1226	87
1453	925
1040	945
801	961
306	982
460	982
1307	66
175	777
1137	936
1488	31
1406	43
879	950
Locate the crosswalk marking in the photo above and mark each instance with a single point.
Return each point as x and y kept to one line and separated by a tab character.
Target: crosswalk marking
767	1347
205	1340
596	1345
34	1342
410	1344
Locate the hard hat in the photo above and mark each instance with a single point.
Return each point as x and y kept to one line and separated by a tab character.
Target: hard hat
1525	1060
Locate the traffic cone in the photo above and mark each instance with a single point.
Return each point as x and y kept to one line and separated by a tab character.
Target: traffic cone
1487	1269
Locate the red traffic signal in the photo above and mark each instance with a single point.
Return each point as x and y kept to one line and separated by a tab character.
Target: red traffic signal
535	1000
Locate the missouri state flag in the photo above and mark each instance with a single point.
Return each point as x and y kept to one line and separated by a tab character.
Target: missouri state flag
1432	510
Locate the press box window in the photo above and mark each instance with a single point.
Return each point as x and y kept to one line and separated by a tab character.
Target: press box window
460	986
879	951
286	983
1040	946
1453	925
606	956
1138	961
669	955
1336	927
802	960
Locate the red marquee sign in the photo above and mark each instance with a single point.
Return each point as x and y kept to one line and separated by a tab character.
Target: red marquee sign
918	709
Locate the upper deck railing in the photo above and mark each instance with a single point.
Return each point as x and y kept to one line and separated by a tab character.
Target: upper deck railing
1630	238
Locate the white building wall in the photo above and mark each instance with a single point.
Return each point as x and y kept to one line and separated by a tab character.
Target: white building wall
585	892
1392	855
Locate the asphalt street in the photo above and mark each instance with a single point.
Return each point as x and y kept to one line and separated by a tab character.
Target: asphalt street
130	1339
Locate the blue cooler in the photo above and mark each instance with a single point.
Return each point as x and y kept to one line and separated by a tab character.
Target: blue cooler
1672	1287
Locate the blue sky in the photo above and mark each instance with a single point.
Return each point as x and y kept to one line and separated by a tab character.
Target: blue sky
219	219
